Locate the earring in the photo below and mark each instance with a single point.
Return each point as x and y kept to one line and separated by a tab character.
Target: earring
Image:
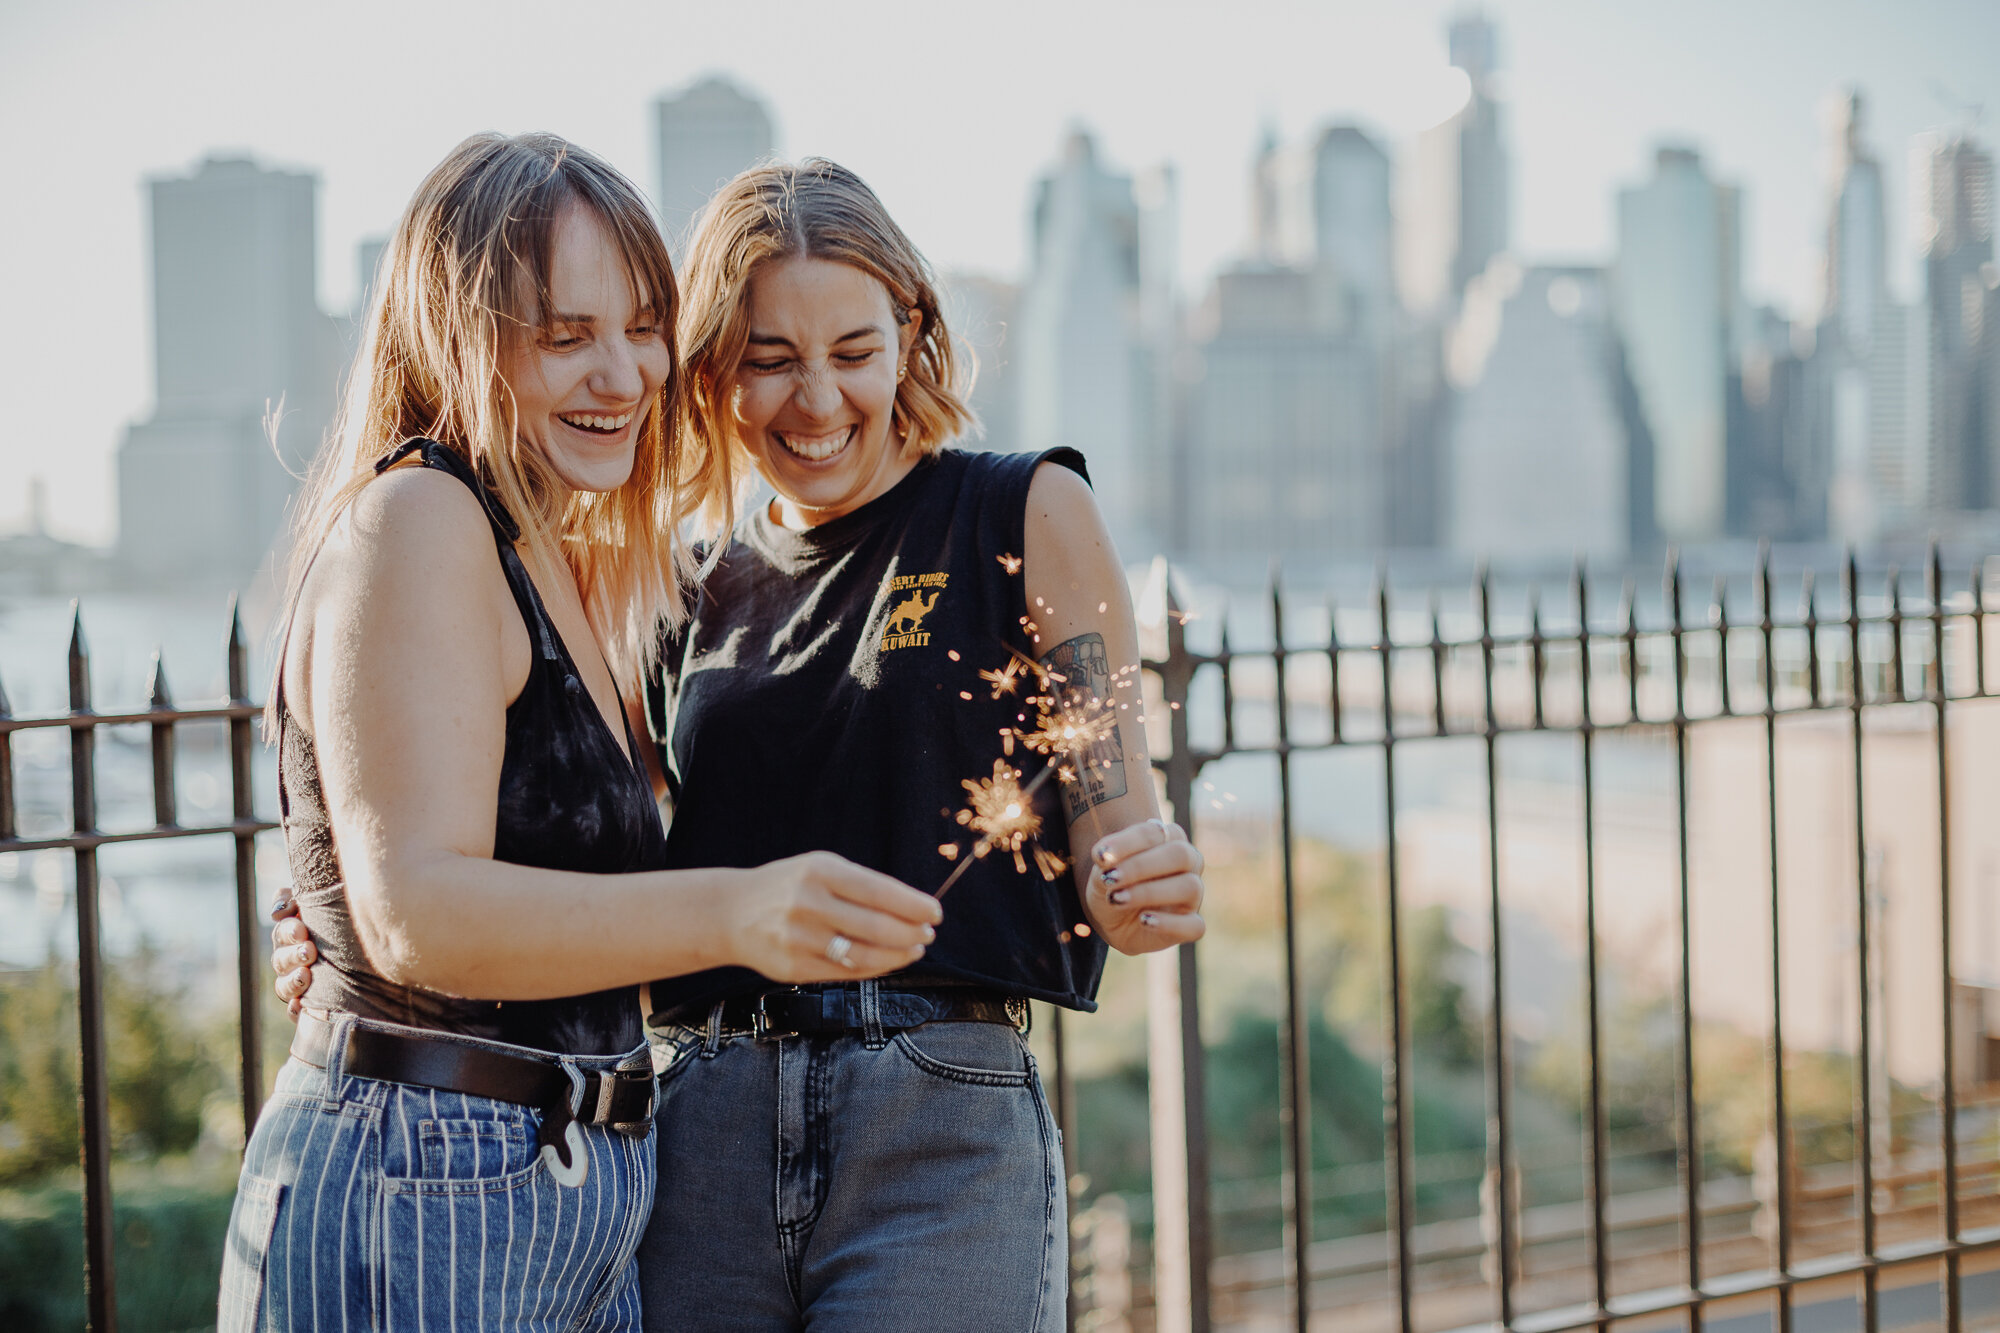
901	371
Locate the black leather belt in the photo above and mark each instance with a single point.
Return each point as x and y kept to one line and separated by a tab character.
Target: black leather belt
621	1098
838	1009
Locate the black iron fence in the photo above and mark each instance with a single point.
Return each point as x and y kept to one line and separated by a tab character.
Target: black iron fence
1587	671
84	840
1583	671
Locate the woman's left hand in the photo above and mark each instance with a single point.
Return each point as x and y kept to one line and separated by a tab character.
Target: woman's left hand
1145	888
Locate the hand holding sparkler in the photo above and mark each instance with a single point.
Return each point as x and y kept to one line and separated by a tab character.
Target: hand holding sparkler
1145	888
791	917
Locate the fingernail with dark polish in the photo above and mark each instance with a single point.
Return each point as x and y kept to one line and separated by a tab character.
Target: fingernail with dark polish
1120	895
1111	877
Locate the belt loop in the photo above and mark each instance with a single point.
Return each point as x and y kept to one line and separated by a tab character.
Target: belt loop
712	1043
871	1015
336	1060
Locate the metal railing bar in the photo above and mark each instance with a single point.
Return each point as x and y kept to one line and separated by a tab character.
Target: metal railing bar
1395	1065
1295	1106
1182	767
1977	585
1333	671
1864	1154
83	719
7	825
1935	683
92	841
1499	1173
249	917
1599	1184
99	1276
1719	616
1895	621
165	814
1781	1123
1689	1146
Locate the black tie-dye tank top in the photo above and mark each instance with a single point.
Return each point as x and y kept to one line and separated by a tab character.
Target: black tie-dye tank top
569	799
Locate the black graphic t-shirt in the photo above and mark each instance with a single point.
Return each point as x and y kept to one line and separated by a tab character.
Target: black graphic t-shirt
826	695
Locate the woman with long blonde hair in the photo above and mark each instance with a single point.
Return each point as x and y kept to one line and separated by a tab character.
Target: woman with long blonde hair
463	1135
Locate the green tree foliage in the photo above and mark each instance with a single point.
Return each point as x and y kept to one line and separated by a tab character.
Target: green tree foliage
162	1066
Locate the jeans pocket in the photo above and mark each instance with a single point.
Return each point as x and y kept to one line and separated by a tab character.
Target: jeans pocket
987	1054
245	1249
484	1147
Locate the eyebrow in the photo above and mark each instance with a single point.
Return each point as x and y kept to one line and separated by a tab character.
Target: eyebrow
773	340
645	310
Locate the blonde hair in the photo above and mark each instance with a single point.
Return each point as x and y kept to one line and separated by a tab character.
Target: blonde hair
468	269
819	210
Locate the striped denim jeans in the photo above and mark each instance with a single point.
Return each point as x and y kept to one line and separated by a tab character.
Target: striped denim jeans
373	1205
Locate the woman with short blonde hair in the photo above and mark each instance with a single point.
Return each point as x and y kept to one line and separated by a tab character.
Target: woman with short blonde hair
883	662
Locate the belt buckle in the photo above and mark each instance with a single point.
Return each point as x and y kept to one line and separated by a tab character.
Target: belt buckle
760	1021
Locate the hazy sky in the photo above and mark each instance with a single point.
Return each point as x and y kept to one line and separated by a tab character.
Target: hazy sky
950	109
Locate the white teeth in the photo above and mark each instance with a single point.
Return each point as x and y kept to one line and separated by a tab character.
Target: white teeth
589	422
817	448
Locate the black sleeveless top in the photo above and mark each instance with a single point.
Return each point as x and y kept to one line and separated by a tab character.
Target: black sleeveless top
825	695
568	800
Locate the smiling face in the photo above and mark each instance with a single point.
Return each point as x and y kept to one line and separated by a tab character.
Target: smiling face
814	397
584	380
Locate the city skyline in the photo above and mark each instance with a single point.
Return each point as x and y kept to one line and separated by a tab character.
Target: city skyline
1386	71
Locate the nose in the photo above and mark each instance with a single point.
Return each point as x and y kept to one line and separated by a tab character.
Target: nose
617	376
817	395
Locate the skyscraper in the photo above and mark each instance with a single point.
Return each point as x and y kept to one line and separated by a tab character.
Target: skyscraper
1085	365
1540	443
1456	210
1674	299
237	333
1964	345
1869	360
1353	224
701	138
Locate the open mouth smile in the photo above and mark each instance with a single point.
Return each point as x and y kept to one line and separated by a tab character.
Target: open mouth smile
816	448
591	423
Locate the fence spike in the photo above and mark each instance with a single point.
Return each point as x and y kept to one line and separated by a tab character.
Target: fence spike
6	709
79	662
239	656
157	695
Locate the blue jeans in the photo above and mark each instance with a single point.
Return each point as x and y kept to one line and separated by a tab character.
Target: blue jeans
910	1186
373	1205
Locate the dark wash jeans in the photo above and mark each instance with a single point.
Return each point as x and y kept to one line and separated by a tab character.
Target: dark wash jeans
915	1186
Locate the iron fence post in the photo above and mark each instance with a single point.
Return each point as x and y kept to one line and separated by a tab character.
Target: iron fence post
249	922
1176	674
99	1277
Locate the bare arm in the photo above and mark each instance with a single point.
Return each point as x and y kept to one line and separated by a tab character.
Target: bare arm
1139	877
406	680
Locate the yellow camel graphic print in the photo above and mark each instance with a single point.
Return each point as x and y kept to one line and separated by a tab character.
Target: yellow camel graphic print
915	595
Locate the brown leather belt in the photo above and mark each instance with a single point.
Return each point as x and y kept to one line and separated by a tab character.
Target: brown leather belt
620	1098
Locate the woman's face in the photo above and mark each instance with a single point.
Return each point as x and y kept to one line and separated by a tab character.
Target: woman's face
814	395
584	382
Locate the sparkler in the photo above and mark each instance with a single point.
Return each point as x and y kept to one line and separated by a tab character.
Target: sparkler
1002	812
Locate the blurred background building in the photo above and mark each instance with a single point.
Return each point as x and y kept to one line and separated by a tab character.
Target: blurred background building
244	370
1376	373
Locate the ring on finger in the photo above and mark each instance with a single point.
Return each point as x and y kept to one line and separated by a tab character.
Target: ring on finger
837	950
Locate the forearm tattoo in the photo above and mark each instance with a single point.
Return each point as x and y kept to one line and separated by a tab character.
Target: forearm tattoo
1080	680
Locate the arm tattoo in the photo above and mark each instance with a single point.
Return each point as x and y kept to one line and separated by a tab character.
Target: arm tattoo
1085	689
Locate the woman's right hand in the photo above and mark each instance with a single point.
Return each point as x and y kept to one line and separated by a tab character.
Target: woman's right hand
788	921
292	951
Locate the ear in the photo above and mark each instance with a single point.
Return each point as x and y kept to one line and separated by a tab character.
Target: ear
908	333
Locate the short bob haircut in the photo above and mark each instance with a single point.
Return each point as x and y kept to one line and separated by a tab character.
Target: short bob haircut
820	210
466	273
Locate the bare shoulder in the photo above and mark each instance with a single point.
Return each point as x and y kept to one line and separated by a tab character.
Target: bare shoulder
418	513
1065	528
412	557
1058	492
